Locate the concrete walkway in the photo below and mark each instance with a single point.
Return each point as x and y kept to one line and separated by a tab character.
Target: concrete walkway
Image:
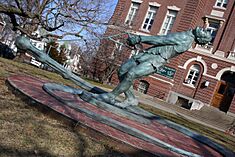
207	115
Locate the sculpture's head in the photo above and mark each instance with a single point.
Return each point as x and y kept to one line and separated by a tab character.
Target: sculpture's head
202	36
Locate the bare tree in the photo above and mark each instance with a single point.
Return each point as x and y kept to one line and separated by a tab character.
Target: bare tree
112	51
57	18
108	58
7	36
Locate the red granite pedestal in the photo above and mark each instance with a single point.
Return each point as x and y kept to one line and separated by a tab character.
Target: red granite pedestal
32	87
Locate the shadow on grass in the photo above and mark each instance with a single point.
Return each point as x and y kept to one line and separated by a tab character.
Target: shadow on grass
9	151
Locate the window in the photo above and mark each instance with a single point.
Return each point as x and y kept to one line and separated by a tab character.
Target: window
213	28
148	22
168	22
193	75
221	3
143	86
132	13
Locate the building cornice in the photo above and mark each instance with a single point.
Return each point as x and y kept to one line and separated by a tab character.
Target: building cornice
137	1
211	55
173	8
155	4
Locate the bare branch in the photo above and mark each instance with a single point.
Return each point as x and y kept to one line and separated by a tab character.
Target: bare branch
51	29
43	5
71	17
19	5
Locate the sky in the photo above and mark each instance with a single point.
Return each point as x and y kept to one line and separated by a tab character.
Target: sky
112	5
70	39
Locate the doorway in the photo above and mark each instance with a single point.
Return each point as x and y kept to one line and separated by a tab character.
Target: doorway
224	93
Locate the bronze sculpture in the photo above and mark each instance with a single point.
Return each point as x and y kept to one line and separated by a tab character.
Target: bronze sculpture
149	60
145	63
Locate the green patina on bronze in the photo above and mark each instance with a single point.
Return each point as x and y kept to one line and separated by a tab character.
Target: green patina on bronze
146	62
150	60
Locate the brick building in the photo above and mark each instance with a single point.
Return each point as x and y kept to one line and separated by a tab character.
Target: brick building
202	75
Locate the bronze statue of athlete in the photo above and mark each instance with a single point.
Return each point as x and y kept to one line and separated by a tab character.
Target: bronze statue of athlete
149	60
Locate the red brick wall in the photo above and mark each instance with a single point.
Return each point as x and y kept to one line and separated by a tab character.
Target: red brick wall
232	106
199	92
228	34
205	94
190	15
157	89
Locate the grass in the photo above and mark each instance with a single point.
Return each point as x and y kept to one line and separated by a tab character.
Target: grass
24	131
225	140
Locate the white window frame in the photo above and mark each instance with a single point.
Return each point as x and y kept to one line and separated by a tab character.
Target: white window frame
130	18
212	30
151	14
195	69
171	18
223	2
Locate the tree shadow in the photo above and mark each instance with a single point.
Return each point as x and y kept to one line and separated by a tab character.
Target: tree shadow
10	151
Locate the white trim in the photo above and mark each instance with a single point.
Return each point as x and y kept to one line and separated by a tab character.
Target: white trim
161	80
213	77
216	7
215	18
199	51
198	59
189	85
194	72
173	7
222	3
181	67
152	16
171	16
134	13
137	1
139	33
155	4
221	72
214	66
217	13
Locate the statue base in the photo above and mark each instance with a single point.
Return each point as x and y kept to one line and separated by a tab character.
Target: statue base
145	133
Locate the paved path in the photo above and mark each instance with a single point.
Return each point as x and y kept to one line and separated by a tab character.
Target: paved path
32	87
208	115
